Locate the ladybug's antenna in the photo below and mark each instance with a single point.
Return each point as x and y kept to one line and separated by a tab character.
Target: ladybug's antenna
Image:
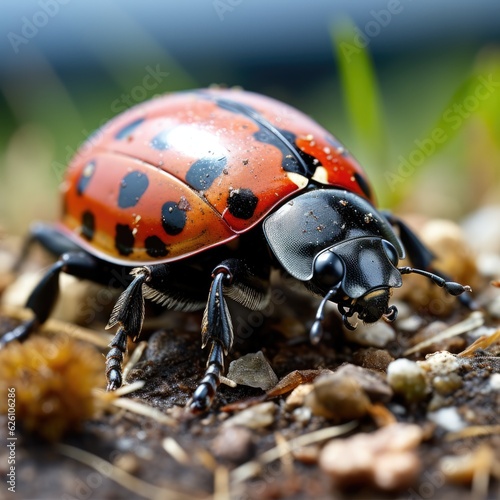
451	287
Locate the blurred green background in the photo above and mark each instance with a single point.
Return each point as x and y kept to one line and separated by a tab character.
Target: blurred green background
412	88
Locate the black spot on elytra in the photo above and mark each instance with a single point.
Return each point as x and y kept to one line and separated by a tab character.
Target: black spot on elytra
155	247
85	177
88	225
294	159
160	141
173	218
203	172
363	184
310	161
132	187
124	239
126	131
241	203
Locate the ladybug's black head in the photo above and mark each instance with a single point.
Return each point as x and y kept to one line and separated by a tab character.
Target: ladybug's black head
358	275
341	248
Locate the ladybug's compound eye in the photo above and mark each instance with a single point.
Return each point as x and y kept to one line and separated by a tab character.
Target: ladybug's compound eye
391	252
328	270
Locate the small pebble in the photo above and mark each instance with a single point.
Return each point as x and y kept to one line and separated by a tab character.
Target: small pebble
255	417
338	398
375	334
489	265
374	384
493	308
234	444
408	379
439	363
440	369
494	382
385	458
410	324
252	370
297	396
302	415
373	359
446	384
482	230
447	418
396	471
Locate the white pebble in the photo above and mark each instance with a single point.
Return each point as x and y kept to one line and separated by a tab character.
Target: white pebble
440	363
373	335
482	229
495	382
255	417
447	418
494	306
407	378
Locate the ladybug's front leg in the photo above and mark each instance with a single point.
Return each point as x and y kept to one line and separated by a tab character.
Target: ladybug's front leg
217	329
244	283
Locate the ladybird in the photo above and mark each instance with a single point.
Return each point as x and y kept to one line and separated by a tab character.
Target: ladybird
197	196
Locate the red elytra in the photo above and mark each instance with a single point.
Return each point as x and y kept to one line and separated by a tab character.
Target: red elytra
191	170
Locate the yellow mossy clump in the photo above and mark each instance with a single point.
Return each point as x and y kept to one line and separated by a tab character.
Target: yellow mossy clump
52	379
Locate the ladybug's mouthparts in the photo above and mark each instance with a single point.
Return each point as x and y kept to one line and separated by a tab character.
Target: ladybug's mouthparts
347	307
369	308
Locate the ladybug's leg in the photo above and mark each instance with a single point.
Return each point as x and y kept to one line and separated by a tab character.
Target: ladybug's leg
168	285
44	296
230	278
421	257
217	329
128	313
49	238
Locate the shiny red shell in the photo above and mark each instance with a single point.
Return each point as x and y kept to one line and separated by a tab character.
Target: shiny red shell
191	170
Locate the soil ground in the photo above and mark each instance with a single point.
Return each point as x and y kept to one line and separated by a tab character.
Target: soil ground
208	460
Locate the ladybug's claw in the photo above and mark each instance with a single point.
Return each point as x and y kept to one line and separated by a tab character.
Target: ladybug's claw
391	314
347	324
114	380
114	360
